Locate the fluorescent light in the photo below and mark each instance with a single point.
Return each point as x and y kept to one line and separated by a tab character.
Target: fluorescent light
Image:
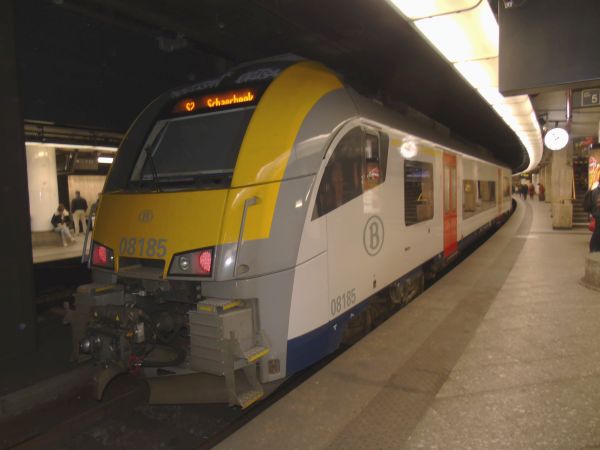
481	73
515	110
105	159
491	95
425	8
462	37
466	33
74	146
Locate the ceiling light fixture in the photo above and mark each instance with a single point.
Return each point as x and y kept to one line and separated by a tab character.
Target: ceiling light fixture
465	33
73	146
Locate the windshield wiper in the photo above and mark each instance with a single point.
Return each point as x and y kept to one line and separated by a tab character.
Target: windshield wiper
153	167
150	158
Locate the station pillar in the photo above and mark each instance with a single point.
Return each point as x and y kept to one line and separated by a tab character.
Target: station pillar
17	335
546	180
43	185
562	190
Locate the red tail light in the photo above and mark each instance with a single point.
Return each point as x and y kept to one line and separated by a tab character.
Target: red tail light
102	256
205	262
198	263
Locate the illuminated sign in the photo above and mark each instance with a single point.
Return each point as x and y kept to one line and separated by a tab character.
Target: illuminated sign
215	101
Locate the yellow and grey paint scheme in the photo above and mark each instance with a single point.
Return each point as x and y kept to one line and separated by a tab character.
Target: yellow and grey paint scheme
190	220
282	155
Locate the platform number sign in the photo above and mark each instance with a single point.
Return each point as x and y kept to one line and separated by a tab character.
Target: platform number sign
373	235
590	97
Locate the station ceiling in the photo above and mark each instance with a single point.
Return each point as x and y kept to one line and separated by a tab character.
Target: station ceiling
97	63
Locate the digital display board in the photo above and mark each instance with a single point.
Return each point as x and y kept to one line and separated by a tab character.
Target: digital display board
217	100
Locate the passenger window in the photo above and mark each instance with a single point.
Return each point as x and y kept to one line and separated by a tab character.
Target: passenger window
418	192
478	196
506	187
343	176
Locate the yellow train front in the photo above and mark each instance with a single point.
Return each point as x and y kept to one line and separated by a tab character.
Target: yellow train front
202	203
252	222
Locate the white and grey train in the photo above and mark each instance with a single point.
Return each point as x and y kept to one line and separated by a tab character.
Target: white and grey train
249	222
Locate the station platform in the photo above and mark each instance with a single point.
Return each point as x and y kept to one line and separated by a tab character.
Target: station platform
503	352
55	252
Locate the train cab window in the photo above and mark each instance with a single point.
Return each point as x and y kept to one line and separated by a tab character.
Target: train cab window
197	151
343	176
357	164
376	149
418	192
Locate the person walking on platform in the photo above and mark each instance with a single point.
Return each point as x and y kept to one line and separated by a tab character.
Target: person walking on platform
531	191
595	212
524	191
79	206
60	222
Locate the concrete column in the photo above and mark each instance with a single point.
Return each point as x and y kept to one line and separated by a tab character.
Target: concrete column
535	180
548	182
43	186
17	331
562	190
548	174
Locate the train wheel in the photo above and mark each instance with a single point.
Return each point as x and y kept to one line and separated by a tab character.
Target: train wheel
358	327
402	292
398	293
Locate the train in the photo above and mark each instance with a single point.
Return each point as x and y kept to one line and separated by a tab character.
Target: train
251	223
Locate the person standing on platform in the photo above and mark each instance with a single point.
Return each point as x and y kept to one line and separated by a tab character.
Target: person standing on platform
78	207
531	191
524	191
595	212
60	222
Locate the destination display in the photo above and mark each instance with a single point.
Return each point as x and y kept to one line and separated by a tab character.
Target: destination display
217	101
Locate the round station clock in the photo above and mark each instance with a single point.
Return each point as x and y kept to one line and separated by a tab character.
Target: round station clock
556	138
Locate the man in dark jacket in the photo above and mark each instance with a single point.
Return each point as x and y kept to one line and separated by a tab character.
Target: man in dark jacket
595	212
78	209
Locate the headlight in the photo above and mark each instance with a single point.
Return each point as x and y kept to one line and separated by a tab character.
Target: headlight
184	263
198	263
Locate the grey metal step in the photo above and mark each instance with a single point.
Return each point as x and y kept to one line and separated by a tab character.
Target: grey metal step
249	397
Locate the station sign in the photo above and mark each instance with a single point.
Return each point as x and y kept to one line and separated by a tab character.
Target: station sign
586	98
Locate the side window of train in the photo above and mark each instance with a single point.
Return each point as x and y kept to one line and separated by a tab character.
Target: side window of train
343	176
478	196
418	191
376	152
506	187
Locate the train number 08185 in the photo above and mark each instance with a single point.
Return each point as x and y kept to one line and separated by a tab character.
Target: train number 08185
149	248
343	301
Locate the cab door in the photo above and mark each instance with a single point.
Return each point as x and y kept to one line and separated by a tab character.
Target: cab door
450	219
